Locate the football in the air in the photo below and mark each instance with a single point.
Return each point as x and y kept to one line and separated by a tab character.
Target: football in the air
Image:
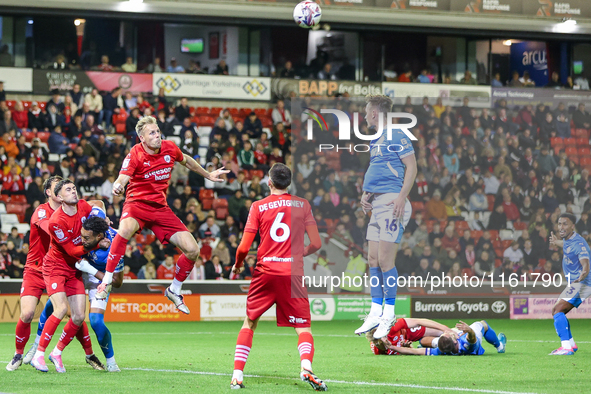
307	14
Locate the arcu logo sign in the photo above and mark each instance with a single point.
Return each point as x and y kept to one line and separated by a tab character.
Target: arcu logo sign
345	127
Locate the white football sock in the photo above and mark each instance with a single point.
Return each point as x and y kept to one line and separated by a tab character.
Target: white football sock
388	311
111	360
572	343
175	286
39	353
566	344
56	352
37	338
307	364
238	375
376	309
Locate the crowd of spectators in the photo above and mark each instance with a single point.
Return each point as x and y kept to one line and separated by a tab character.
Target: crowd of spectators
91	154
490	183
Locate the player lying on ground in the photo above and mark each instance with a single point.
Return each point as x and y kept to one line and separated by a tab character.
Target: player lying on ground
63	281
34	283
387	183
467	341
147	169
405	332
282	220
575	264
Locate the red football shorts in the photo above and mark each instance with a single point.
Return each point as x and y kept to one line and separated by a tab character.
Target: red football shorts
293	308
63	279
33	283
158	218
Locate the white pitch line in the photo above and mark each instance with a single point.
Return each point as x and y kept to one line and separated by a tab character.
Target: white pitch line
356	383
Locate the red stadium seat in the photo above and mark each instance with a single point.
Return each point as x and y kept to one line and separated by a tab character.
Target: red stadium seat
5	198
150	239
221	213
499	252
10	104
234	111
417	206
29	135
202	111
140	238
18	198
506	243
467	272
584	152
582	133
582	142
267	122
571	151
215	112
476	234
206	193
220	203
192	110
443	225
585	161
494	234
498	263
120	128
496	244
207	203
258	173
462	225
27	104
556	141
195	119
261	112
19	209
43	136
558	149
206	121
244	112
520	226
570	142
42	105
205	252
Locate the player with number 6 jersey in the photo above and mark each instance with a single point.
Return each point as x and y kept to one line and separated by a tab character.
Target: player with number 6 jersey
282	220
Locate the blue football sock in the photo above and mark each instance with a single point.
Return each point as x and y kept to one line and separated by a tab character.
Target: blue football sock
47	311
103	335
491	336
561	325
390	286
570	335
377	290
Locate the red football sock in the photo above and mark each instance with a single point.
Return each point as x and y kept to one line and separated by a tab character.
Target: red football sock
306	346
70	331
84	338
116	252
243	345
184	266
48	330
22	334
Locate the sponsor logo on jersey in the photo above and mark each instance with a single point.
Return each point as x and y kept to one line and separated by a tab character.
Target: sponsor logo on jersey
124	214
167	158
147	163
42	213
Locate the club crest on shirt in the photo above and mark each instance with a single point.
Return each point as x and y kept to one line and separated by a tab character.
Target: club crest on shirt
83	219
167	158
42	213
58	232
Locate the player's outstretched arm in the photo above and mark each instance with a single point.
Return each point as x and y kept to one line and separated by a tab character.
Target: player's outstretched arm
428	323
120	184
407	351
192	165
315	241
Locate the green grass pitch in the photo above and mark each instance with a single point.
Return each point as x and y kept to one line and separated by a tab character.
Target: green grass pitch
198	358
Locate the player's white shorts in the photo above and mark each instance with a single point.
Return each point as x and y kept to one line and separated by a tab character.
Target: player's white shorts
478	329
91	283
382	225
576	293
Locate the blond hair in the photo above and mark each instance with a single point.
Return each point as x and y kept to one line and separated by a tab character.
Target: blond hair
146	120
380	102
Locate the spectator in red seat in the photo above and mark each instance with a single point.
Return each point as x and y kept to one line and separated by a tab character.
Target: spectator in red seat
226	116
35	117
214	268
105	66
127	274
56	101
130	124
436	208
450	241
547	268
7	123
222	68
253	126
219	131
182	111
550	202
498	219
93	102
52	119
91	126
166	269
9	146
509	207
129	102
12	182
281	114
581	118
20	115
111	105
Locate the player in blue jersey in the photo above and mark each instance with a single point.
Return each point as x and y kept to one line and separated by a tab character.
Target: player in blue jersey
575	264
96	230
466	340
387	183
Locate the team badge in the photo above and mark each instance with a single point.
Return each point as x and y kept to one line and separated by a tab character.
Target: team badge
59	233
42	213
54	286
167	158
83	219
